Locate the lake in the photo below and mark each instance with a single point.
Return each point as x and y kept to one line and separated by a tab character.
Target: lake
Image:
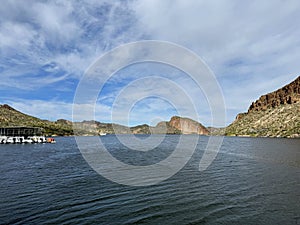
251	181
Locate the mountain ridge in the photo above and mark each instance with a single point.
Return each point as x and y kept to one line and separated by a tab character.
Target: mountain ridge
289	94
275	114
177	125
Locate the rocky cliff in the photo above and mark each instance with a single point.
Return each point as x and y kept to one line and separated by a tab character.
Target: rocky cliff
188	126
276	114
289	94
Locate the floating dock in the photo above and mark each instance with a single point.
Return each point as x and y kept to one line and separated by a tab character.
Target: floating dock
23	135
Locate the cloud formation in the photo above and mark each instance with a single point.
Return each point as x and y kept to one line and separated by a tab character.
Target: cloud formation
252	47
59	39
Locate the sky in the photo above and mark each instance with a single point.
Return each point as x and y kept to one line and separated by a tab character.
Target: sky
46	47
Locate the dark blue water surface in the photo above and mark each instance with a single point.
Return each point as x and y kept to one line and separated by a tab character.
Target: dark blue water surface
251	181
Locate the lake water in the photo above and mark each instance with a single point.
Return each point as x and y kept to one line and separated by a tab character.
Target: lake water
251	181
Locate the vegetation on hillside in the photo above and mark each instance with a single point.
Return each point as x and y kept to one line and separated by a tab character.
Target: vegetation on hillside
282	121
275	114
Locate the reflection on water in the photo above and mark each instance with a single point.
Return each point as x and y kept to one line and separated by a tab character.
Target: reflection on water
251	181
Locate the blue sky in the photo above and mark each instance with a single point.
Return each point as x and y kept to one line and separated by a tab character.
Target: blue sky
253	47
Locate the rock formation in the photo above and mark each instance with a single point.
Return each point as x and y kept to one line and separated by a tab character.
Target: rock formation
276	114
289	94
187	126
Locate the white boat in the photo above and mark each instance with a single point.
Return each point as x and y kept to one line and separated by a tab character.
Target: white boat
38	139
3	139
20	135
43	139
102	134
10	140
27	141
24	140
18	140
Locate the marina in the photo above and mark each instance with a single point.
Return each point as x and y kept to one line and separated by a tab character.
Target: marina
23	135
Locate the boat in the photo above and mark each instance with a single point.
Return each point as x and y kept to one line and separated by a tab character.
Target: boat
27	141
51	140
10	140
102	134
38	139
3	139
24	140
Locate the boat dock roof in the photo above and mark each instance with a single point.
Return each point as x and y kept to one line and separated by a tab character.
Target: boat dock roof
20	131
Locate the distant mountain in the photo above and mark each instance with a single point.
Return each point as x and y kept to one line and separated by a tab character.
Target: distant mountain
276	114
187	126
176	125
11	117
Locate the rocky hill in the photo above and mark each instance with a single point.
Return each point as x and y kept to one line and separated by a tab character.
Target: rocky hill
187	126
11	117
276	114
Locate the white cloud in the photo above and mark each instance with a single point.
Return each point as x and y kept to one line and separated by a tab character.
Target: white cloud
53	110
223	30
70	34
252	47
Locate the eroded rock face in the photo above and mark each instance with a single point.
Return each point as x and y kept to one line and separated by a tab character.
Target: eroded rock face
273	115
289	94
187	126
